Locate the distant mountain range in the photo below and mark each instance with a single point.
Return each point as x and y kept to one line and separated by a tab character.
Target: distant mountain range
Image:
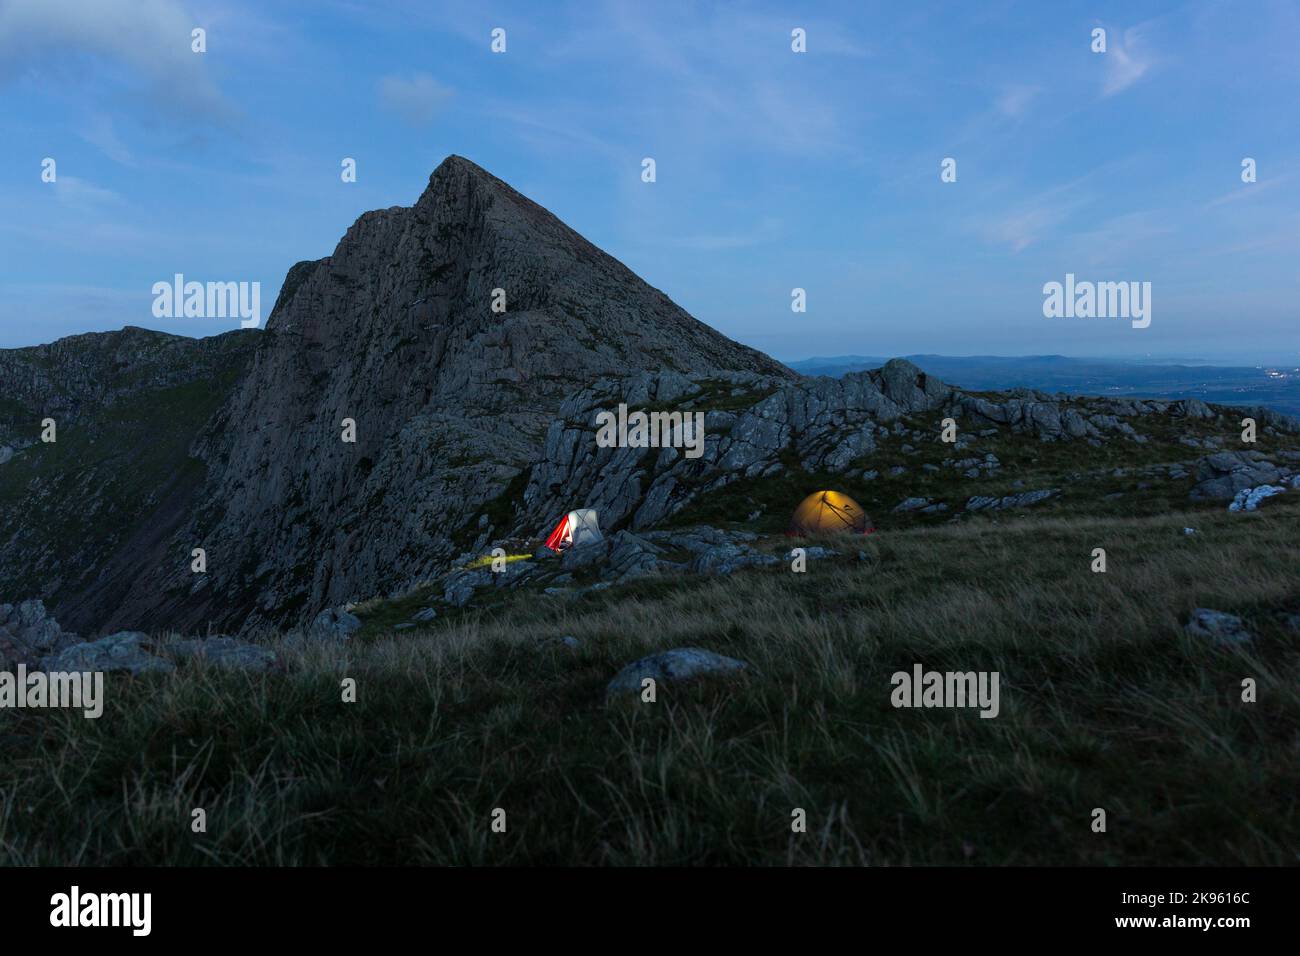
1275	386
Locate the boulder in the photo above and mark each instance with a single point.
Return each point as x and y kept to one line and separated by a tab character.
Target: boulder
728	558
1225	630
225	652
458	587
334	624
132	652
1248	499
585	555
911	504
1225	473
1194	408
681	664
458	595
631	556
1022	500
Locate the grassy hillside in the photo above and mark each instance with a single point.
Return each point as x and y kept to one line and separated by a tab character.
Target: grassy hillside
1105	702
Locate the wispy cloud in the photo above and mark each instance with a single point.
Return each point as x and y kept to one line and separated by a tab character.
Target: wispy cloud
1014	101
417	98
100	133
1118	240
731	80
1126	61
149	38
1247	191
80	194
1021	228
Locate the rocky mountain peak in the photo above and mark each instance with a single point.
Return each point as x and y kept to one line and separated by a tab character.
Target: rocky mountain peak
402	382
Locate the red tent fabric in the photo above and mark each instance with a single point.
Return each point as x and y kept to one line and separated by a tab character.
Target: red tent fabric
560	535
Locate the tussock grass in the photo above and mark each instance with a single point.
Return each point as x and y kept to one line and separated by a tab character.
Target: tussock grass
1104	703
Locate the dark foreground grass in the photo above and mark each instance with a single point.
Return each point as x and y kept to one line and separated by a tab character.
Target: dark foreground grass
1105	703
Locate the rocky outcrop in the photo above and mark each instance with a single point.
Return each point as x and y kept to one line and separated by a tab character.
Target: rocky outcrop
76	379
819	424
130	652
1225	473
133	652
31	637
28	633
757	427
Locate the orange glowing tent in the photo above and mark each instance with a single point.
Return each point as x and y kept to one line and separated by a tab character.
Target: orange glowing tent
828	512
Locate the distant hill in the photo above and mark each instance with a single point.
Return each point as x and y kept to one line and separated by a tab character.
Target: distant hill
1277	387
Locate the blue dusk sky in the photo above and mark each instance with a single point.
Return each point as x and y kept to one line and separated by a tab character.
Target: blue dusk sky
775	169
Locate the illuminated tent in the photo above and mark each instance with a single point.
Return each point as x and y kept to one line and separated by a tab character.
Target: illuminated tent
575	528
826	512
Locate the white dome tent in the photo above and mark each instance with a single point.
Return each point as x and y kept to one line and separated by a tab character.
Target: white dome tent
576	528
